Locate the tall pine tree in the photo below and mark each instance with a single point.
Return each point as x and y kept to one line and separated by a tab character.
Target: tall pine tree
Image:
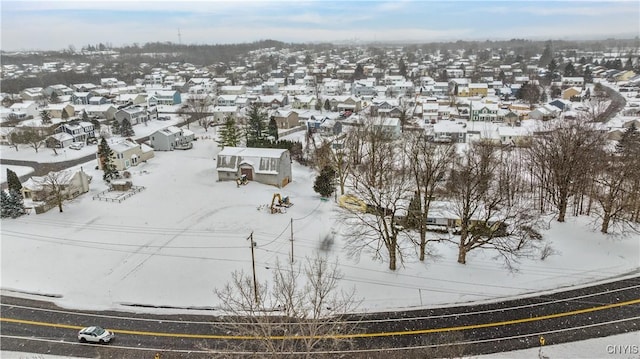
106	161
126	130
256	124
229	134
4	204
13	182
273	128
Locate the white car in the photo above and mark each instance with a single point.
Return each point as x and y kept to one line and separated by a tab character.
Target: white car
76	145
95	334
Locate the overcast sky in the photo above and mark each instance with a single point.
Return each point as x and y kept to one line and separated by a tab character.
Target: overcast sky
56	24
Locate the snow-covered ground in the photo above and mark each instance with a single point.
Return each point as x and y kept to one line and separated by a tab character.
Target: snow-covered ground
48	155
615	347
181	237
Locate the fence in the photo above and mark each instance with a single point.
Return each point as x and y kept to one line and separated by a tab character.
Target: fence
110	195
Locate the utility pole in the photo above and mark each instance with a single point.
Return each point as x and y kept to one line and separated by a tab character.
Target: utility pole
179	37
253	263
292	240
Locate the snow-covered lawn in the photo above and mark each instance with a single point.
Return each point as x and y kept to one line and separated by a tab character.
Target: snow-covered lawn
176	241
48	155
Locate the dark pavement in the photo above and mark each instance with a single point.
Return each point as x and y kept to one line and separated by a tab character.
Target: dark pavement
577	314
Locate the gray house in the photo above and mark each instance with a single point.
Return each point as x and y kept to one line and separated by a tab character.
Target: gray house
134	115
265	165
170	138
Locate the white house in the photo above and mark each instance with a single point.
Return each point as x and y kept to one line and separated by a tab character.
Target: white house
170	138
265	165
128	153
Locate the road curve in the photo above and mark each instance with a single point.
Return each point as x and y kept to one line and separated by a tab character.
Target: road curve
575	314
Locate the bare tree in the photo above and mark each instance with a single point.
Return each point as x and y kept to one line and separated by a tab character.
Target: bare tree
383	183
335	157
300	312
55	185
199	107
487	218
560	157
30	137
616	182
428	163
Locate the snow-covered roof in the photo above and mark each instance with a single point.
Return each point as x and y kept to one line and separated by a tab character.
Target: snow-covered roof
252	152
36	183
123	146
62	137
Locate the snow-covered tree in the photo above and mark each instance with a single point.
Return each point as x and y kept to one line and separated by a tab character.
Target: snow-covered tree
324	183
256	124
46	117
13	182
273	128
106	161
229	134
12	204
489	217
311	309
126	130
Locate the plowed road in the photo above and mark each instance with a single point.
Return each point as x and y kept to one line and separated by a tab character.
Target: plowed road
576	314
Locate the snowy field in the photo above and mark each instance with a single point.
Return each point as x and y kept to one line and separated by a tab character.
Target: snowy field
592	348
179	239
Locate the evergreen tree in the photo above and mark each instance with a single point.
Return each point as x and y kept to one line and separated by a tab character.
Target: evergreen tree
402	67
13	182
256	127
629	64
229	135
106	161
273	128
569	70
115	127
502	77
85	116
324	183
126	130
413	213
358	73
46	117
629	143
5	203
547	55
12	204
327	105
529	92
551	71
54	98
587	76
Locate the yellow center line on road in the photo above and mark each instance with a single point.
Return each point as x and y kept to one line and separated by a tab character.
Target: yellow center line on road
339	336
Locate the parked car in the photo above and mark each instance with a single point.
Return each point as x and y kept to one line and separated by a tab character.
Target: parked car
95	334
76	145
163	118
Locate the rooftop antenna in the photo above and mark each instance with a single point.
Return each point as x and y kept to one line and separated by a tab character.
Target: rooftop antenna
179	37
